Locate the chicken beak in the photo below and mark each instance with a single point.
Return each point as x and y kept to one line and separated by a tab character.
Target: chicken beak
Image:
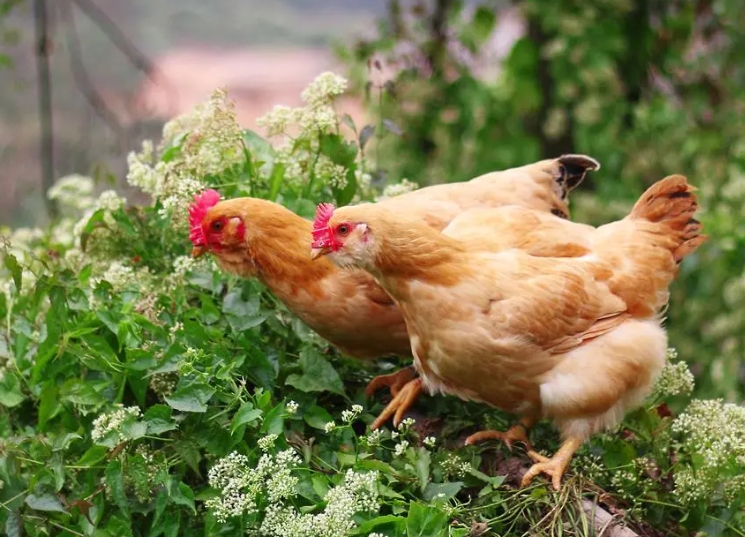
198	251
315	253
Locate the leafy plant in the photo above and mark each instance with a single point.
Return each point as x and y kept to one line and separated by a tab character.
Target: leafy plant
144	393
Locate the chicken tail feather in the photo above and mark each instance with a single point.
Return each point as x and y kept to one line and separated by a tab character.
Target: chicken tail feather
671	202
573	170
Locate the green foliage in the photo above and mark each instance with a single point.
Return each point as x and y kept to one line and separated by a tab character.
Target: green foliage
648	88
145	393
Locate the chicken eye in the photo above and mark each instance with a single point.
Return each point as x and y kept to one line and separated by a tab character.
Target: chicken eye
343	229
217	225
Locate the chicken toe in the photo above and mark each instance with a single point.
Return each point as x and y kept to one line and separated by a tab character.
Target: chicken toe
400	404
394	381
555	467
516	433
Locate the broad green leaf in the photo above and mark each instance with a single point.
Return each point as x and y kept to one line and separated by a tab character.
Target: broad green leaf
10	390
387	525
45	502
115	482
182	494
338	150
192	398
483	23
14	524
245	415
94	455
423	460
243	314
368	131
426	521
158	419
318	374
317	417
63	441
442	491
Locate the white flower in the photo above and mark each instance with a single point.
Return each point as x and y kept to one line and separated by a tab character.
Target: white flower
112	421
292	407
330	426
430	441
348	416
73	191
675	378
396	189
401	448
267	442
324	89
277	121
374	438
713	438
110	201
406	424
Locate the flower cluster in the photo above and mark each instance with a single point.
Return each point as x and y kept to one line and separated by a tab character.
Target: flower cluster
675	378
396	189
348	416
204	142
113	422
713	439
358	493
453	465
291	407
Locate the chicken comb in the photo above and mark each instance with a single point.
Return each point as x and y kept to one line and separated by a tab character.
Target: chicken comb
197	211
324	212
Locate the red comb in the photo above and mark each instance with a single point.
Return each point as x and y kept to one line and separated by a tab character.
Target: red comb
197	211
321	232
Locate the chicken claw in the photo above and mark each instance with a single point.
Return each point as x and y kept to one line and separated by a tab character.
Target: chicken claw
394	381
400	404
516	433
555	467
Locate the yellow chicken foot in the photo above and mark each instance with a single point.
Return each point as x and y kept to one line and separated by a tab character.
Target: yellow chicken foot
400	404
394	381
554	466
516	433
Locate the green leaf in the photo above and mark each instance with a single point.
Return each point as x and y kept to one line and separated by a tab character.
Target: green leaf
183	495
448	490
45	502
192	398
115	482
368	131
426	521
94	455
390	126
338	150
11	263
118	527
275	181
246	414
158	419
318	374
493	480
14	525
243	314
483	23
80	392
386	524
344	196
423	460
63	441
10	390
317	417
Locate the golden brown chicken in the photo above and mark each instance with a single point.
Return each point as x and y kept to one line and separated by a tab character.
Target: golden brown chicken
257	238
529	313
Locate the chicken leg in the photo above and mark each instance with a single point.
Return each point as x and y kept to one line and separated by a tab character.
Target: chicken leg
400	404
554	466
516	433
394	381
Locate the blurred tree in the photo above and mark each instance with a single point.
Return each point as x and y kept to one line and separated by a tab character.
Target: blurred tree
649	87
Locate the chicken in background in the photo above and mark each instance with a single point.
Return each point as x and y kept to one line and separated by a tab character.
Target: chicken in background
538	316
257	238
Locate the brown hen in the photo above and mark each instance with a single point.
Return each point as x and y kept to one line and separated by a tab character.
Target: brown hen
527	312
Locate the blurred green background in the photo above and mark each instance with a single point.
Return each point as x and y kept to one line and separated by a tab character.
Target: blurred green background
649	88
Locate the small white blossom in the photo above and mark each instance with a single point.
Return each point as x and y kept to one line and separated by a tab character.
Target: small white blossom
267	442
430	441
278	120
73	191
324	89
406	424
330	426
374	438
110	201
400	448
396	189
112	421
348	416
292	407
